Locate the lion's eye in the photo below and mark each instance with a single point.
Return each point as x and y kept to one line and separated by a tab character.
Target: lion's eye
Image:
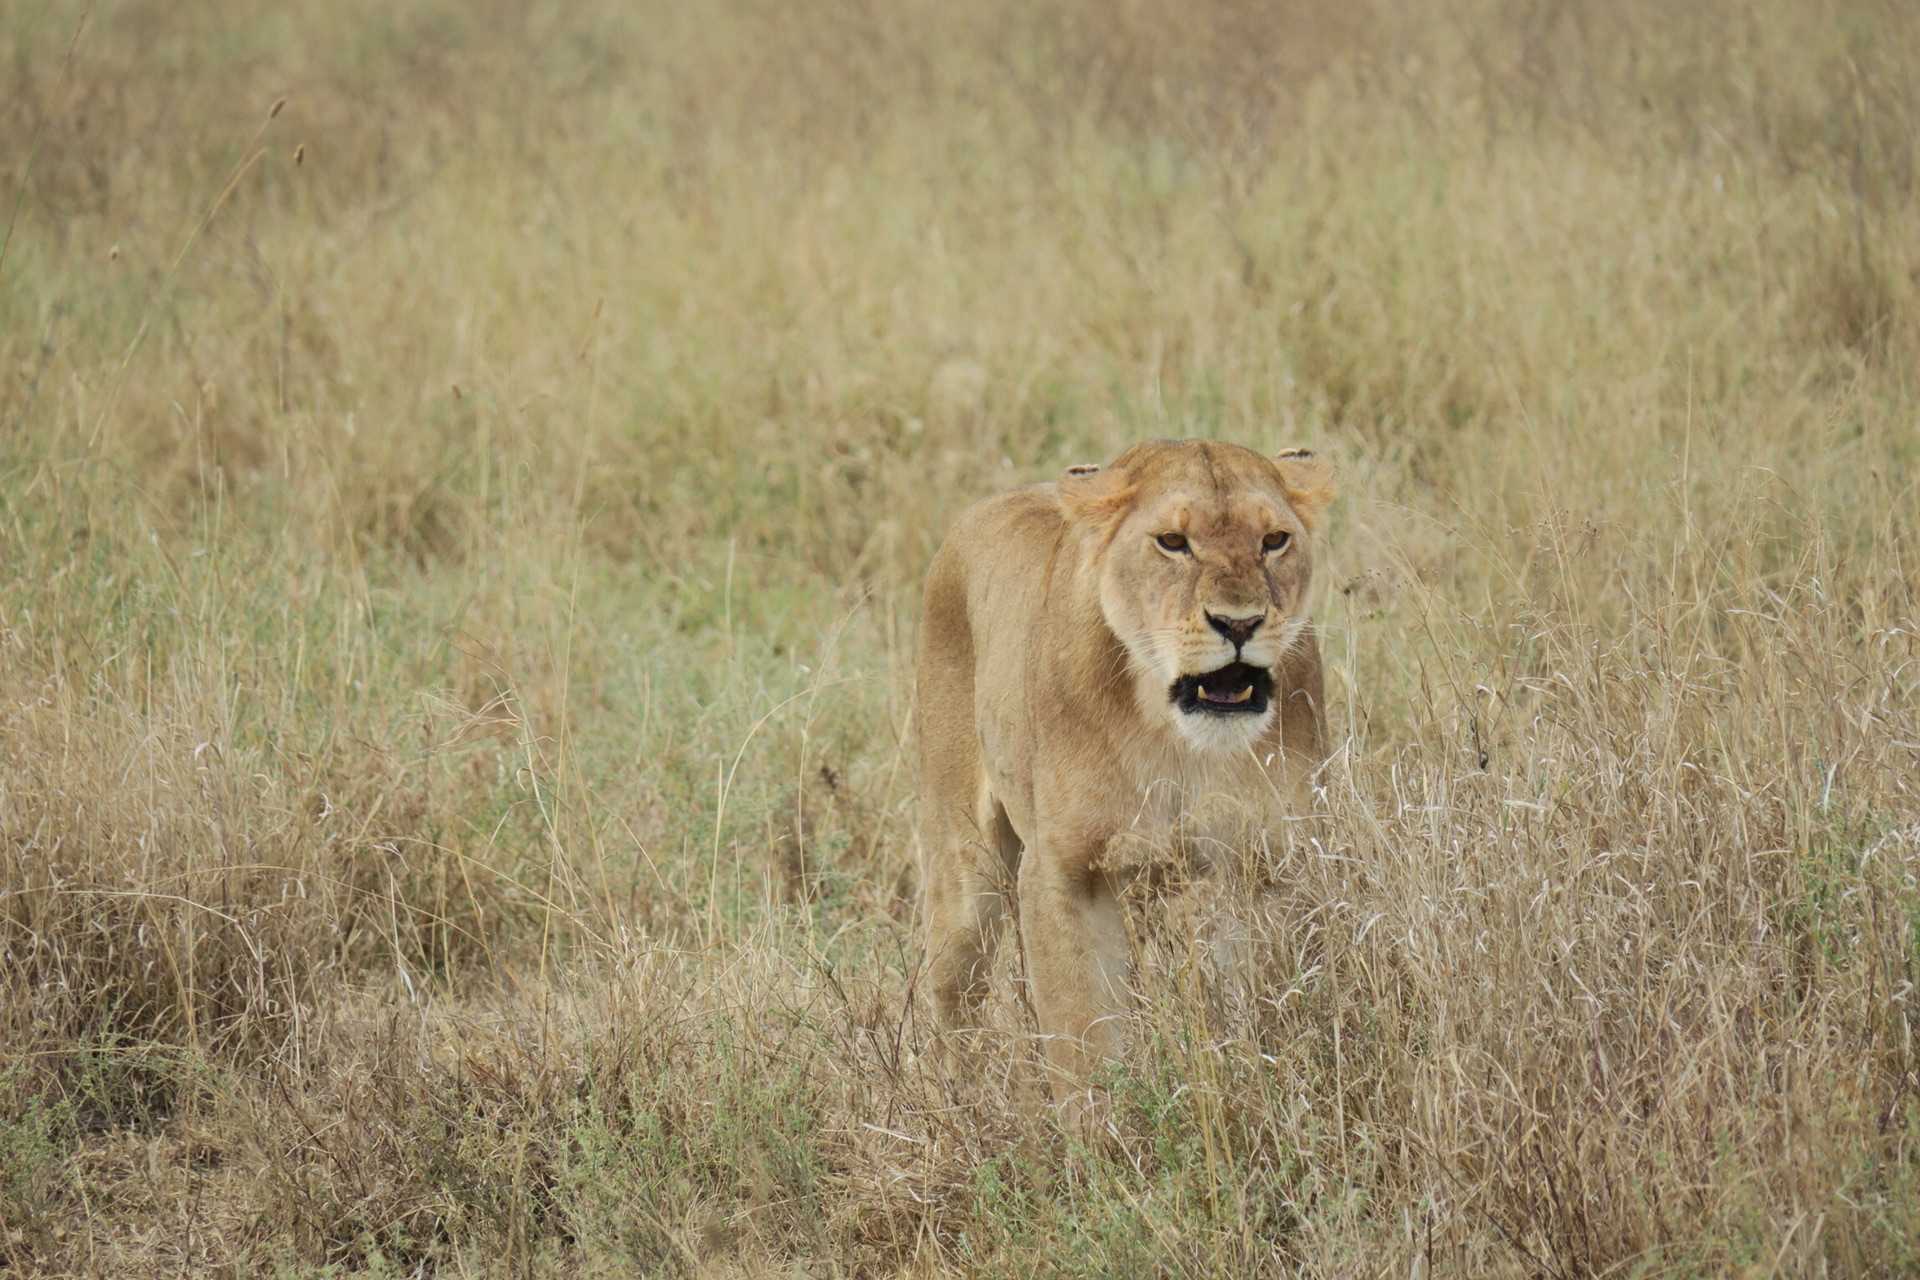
1276	540
1171	541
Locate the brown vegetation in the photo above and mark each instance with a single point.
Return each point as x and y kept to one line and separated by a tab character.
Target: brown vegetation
459	544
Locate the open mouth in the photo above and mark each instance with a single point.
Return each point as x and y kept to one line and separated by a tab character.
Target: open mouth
1234	690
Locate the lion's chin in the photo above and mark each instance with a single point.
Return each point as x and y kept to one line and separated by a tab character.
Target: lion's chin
1223	711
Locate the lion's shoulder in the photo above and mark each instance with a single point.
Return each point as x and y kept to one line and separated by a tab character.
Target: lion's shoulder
1007	530
1033	508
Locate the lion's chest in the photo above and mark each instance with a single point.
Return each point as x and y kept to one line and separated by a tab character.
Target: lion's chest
1194	820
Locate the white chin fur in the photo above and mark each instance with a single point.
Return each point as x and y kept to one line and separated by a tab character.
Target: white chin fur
1221	735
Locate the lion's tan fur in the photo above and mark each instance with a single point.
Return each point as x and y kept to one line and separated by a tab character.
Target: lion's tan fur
1051	747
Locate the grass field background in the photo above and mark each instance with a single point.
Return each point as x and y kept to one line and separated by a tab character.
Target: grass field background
465	475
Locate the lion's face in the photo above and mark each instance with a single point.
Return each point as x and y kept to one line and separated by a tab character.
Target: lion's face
1204	556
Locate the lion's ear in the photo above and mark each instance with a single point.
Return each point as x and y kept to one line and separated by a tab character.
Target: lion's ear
1308	478
1089	491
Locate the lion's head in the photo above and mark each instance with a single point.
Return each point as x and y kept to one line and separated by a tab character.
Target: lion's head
1203	553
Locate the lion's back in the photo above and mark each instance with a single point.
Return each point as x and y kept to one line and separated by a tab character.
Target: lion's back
992	564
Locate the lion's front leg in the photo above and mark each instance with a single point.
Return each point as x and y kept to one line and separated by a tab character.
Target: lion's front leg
1076	949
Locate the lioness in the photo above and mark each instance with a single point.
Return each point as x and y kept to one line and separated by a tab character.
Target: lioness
1097	656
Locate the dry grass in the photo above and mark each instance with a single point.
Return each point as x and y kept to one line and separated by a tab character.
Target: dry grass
459	555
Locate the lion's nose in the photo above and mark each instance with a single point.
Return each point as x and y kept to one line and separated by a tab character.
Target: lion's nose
1237	630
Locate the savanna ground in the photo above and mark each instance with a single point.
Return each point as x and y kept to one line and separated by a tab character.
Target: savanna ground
460	541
